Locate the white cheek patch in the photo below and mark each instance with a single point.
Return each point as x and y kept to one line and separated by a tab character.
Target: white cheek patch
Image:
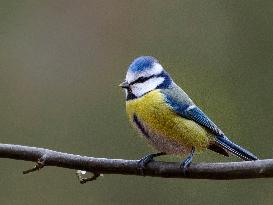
154	70
140	89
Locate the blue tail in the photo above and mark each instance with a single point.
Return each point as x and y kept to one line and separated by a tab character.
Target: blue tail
240	152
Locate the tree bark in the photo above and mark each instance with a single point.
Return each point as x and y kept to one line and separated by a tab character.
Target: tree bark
220	171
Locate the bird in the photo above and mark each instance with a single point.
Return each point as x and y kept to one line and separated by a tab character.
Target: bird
167	117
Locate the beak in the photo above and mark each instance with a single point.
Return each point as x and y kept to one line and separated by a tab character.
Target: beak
124	84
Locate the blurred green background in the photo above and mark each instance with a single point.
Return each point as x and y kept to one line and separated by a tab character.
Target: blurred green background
61	62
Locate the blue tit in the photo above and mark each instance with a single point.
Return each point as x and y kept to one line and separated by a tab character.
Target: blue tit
170	121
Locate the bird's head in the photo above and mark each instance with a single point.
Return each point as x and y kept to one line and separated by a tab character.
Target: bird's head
144	75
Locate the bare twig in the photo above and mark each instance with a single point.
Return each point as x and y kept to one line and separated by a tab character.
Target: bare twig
40	164
223	171
83	180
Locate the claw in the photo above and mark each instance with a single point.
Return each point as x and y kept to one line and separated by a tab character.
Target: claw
147	159
187	162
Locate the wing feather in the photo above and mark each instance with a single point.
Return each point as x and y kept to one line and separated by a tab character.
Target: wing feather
180	103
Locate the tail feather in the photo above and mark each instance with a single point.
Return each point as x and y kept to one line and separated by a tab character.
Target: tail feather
240	152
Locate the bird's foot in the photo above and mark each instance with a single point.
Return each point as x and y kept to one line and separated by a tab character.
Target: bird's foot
185	166
147	159
187	162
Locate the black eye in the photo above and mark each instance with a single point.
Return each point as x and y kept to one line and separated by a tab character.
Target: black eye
129	90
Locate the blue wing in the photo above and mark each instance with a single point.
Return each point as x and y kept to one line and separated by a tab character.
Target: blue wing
183	106
195	114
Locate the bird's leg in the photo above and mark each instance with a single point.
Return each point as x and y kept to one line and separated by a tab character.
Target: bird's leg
187	162
146	159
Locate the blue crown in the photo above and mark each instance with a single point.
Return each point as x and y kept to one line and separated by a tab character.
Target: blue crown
142	63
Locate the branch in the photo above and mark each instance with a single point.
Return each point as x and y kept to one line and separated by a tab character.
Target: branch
223	171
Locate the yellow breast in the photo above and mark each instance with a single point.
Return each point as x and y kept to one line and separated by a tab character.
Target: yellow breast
155	114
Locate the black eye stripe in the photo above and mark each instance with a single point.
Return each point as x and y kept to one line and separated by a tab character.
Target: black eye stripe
143	79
